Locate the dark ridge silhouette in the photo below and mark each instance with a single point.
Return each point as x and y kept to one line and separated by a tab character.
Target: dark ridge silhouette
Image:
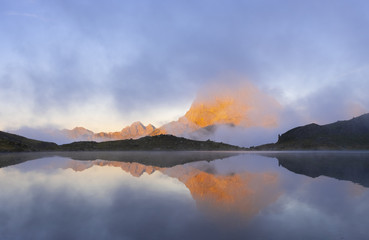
342	135
160	142
15	143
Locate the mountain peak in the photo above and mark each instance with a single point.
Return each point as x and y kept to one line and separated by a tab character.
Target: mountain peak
135	130
79	129
79	133
150	128
137	124
244	105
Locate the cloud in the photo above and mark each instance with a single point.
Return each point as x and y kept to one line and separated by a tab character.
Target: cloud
239	102
239	136
146	56
343	100
49	134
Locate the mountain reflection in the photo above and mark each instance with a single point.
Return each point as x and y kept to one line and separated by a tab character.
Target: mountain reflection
135	169
242	197
240	194
244	194
154	158
351	166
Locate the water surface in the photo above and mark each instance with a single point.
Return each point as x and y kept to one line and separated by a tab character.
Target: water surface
151	195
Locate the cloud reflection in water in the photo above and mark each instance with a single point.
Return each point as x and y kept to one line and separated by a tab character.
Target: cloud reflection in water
246	196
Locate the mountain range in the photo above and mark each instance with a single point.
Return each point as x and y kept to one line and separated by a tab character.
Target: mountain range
134	131
246	106
230	115
342	135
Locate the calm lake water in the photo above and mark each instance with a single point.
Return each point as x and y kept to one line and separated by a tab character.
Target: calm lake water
264	195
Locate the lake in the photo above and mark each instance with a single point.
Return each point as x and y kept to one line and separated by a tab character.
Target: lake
184	195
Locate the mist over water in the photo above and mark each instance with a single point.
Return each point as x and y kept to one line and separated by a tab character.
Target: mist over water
239	136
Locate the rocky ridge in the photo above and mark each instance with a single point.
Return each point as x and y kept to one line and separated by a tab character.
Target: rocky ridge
134	131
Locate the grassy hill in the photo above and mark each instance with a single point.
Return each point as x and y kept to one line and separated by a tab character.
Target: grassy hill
351	135
160	142
14	143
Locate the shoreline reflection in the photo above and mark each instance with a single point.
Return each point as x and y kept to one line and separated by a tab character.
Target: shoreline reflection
247	196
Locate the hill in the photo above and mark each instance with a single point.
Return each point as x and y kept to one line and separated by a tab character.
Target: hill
342	135
160	142
15	143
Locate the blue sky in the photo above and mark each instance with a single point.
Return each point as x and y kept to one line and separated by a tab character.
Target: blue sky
105	64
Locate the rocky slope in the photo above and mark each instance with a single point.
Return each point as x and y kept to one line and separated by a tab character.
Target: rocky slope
244	106
134	131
